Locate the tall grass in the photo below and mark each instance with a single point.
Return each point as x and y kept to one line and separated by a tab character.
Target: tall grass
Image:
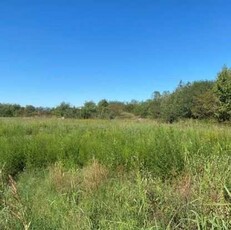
73	174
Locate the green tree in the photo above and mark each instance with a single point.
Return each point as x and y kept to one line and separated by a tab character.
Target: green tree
64	110
223	92
155	105
6	110
205	105
102	109
29	111
142	109
131	106
169	111
181	102
89	110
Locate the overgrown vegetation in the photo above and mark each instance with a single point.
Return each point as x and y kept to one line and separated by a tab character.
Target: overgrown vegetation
196	100
95	174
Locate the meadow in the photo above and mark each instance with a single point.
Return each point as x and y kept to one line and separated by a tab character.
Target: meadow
114	174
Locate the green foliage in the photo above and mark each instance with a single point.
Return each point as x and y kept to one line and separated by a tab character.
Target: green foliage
29	111
93	174
155	105
10	110
169	111
103	110
63	110
205	105
159	149
197	100
89	110
187	101
223	92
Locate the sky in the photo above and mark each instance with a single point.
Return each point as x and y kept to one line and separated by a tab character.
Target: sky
81	50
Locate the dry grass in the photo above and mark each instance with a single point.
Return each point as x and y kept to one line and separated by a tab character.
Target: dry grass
15	205
184	186
89	178
94	175
62	180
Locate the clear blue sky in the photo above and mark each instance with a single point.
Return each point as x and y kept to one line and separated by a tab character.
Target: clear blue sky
80	50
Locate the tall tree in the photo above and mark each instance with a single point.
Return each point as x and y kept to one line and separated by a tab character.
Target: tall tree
102	109
205	105
89	110
64	110
155	105
223	93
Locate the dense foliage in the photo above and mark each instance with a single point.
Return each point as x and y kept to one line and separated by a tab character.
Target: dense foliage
196	100
223	92
95	174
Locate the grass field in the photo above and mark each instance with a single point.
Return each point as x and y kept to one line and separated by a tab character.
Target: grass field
93	174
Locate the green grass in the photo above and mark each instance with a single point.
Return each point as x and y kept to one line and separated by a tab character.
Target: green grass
93	174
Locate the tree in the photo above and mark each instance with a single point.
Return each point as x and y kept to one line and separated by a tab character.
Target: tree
142	109
102	109
6	110
169	111
155	105
223	92
182	101
205	105
64	110
29	111
115	108
89	110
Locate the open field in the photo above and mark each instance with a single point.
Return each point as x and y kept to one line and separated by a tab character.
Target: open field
94	174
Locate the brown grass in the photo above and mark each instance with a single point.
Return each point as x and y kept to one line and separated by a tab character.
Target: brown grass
184	186
63	181
16	206
88	179
94	175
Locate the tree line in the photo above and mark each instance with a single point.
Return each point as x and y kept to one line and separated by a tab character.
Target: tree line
195	100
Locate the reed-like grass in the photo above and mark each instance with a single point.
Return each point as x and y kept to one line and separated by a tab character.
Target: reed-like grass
73	174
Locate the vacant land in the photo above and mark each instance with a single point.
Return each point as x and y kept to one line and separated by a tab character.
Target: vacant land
92	174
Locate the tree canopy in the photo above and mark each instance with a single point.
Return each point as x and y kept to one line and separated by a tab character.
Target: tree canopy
194	100
223	92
